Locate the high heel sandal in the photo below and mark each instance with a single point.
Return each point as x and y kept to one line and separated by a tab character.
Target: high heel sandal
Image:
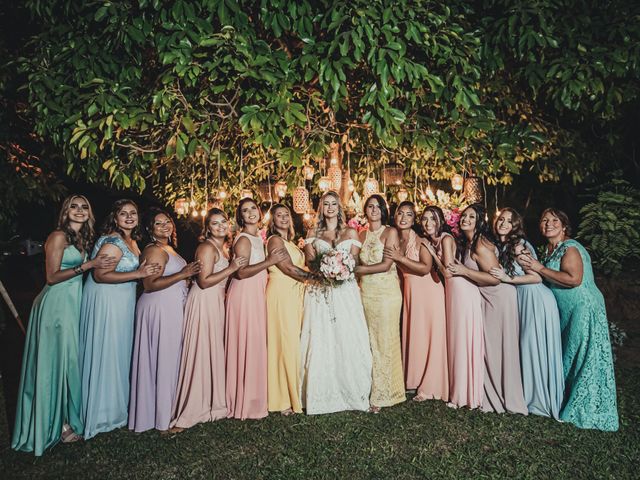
68	435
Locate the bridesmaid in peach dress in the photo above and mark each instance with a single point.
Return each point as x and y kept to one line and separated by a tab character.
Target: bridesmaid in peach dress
478	255
201	384
463	305
246	329
285	301
424	321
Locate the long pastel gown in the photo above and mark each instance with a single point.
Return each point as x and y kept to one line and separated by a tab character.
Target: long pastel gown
201	383
424	330
502	374
590	385
335	353
382	302
285	301
50	393
540	347
156	352
246	340
106	341
465	339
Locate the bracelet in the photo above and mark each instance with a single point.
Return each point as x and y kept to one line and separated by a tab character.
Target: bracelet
78	269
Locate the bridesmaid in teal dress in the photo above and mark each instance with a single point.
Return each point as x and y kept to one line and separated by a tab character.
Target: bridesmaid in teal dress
590	386
48	407
106	323
540	342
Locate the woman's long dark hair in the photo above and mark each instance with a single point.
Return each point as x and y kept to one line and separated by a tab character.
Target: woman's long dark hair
110	224
384	209
443	226
515	237
149	222
205	227
83	238
482	230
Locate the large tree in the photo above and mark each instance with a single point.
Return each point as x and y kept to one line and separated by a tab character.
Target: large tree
130	91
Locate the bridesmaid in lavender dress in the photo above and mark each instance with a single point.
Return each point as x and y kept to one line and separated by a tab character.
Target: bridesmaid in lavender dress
201	385
463	306
503	379
246	329
159	321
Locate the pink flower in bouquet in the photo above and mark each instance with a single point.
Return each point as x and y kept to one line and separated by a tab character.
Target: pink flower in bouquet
452	217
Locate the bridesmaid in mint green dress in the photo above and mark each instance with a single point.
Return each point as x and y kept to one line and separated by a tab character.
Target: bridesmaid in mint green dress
48	407
106	323
590	386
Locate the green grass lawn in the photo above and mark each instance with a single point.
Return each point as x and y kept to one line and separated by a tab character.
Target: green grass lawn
427	440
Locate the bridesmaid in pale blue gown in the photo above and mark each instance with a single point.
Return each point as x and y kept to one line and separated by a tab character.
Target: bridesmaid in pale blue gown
590	384
106	323
540	342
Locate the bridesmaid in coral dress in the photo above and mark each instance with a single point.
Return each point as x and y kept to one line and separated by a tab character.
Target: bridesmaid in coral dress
463	305
159	322
382	302
201	383
424	321
285	300
246	329
478	254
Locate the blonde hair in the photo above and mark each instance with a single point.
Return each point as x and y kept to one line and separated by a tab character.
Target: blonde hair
321	222
271	225
82	239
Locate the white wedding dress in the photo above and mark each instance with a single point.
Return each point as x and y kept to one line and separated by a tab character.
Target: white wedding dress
336	356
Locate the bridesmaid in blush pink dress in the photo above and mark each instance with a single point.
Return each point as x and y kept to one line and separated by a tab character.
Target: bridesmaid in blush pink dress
201	385
502	378
158	335
463	304
424	323
246	329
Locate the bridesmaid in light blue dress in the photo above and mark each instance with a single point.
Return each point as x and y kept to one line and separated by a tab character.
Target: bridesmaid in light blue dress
540	343
590	385
106	323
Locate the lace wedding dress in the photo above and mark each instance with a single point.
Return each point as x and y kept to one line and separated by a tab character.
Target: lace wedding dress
336	357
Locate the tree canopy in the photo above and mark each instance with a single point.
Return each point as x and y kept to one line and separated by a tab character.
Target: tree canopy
129	91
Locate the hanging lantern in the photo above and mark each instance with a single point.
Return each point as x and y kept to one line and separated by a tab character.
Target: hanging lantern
246	193
334	156
308	172
203	212
393	173
324	184
370	187
222	193
473	190
180	206
307	218
192	203
430	195
194	213
300	199
335	177
403	194
457	182
281	189
265	190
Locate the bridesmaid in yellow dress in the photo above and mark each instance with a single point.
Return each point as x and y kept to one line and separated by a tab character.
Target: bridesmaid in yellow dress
285	299
382	302
201	384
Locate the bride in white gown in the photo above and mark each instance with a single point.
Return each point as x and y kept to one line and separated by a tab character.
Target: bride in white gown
336	356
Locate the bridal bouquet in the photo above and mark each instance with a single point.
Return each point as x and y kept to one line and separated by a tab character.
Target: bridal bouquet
334	266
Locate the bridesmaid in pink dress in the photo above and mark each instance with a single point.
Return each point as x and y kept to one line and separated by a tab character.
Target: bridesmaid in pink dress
424	323
502	377
463	304
201	384
246	330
